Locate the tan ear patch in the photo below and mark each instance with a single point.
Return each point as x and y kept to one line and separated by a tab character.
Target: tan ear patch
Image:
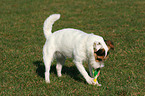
110	44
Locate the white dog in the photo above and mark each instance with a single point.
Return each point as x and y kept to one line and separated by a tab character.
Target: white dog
70	43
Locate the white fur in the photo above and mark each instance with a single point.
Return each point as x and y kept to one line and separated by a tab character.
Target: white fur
70	43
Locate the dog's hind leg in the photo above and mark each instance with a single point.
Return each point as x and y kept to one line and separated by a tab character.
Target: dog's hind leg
47	57
60	62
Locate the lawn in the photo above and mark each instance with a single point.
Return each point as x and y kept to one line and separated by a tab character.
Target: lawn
22	39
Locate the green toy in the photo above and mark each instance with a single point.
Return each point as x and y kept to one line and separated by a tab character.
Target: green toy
95	74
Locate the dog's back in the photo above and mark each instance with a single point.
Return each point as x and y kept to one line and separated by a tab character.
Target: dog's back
66	40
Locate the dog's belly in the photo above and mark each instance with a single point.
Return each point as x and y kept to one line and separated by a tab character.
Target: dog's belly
66	54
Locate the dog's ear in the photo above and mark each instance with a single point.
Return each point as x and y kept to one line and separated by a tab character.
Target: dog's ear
110	44
97	46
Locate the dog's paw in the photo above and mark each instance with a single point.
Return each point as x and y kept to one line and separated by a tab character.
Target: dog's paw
90	80
96	83
59	74
99	85
47	80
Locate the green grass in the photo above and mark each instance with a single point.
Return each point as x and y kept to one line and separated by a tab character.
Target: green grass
22	40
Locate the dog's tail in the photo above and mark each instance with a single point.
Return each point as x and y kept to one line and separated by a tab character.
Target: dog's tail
47	27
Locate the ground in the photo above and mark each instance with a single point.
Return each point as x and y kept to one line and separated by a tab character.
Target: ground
22	40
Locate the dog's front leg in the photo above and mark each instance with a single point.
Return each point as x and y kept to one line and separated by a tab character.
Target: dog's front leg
84	73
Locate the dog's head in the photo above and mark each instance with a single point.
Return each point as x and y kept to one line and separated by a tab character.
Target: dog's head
100	54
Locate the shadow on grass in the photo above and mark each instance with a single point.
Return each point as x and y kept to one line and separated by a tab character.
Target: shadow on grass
72	70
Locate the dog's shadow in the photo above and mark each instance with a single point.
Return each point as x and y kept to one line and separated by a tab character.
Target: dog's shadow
72	70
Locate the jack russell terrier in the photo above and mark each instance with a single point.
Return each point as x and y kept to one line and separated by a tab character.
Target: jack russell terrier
76	44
